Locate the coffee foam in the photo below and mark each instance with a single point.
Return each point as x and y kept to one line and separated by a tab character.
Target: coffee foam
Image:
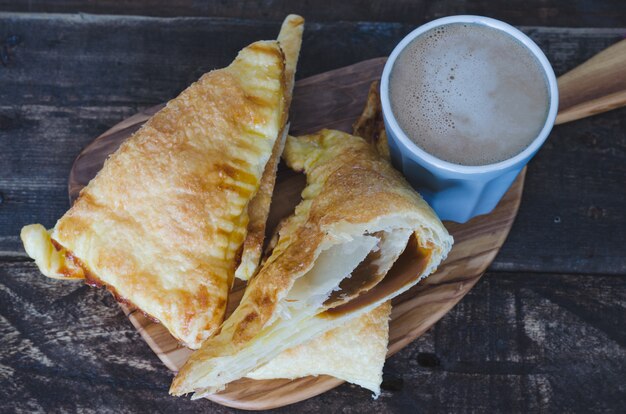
469	94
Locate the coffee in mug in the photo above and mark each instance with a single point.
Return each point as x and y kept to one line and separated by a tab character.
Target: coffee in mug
469	94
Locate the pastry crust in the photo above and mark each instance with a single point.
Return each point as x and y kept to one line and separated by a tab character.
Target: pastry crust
359	347
353	352
351	195
290	40
371	125
163	222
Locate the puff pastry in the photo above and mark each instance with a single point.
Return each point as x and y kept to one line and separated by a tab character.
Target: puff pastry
329	264
290	40
163	223
371	125
359	347
353	352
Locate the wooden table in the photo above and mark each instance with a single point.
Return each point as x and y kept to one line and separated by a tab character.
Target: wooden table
543	331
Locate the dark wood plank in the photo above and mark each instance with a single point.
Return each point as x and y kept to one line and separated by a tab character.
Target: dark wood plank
522	343
516	343
585	13
72	77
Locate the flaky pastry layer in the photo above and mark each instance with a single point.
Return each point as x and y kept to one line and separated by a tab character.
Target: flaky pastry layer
163	222
352	195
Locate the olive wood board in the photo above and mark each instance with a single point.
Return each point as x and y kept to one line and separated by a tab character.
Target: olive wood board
329	100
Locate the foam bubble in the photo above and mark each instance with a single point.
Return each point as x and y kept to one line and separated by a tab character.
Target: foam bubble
469	94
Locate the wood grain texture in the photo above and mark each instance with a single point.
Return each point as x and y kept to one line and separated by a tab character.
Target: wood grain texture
73	77
330	100
517	342
582	13
595	86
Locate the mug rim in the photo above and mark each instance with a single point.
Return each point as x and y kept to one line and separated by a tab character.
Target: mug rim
528	152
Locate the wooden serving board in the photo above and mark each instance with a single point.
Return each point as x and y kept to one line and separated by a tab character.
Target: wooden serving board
329	100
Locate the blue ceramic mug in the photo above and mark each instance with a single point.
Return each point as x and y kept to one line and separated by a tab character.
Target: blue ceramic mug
460	192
